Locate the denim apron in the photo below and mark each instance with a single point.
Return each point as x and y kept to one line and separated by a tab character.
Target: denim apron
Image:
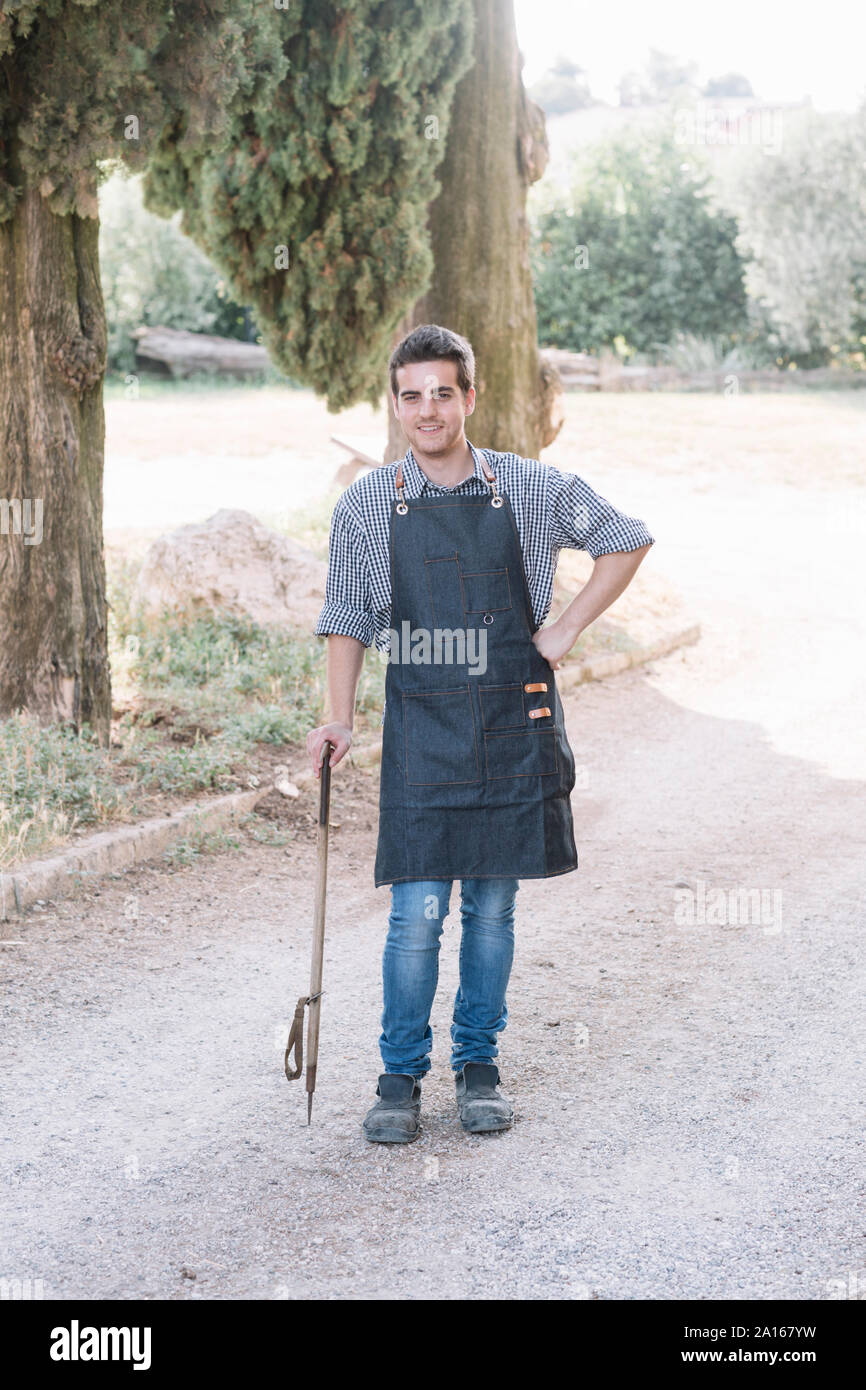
476	768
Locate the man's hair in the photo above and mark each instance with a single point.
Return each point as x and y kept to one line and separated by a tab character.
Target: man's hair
430	342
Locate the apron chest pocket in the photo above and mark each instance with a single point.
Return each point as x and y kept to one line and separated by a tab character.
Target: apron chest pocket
528	754
487	591
443	583
439	729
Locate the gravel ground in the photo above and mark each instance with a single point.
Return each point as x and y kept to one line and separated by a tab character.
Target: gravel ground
689	1098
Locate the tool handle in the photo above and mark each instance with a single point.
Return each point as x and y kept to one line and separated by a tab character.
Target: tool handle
325	782
319	917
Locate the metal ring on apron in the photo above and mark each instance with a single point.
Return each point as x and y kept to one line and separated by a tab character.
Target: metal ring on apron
487	619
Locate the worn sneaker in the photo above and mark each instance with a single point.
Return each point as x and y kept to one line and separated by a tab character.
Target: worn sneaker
396	1116
480	1106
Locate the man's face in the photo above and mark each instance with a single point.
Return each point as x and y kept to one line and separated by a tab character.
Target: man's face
430	405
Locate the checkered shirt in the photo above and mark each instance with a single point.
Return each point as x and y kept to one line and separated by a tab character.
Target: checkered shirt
552	509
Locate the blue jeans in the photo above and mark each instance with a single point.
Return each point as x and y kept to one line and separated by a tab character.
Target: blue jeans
410	970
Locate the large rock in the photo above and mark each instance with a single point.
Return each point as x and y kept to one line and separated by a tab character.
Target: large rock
233	563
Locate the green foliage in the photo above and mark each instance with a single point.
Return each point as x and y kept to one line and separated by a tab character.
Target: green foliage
53	779
635	251
226	682
152	274
301	144
205	693
87	82
690	353
199	842
204	764
153	386
228	673
802	211
265	832
316	212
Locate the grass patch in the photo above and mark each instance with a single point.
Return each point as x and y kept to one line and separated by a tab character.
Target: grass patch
53	781
265	832
199	693
198	843
151	385
197	697
310	525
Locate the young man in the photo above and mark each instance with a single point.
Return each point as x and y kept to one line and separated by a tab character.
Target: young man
446	559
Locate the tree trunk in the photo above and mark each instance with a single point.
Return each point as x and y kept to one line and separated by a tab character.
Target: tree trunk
53	634
482	287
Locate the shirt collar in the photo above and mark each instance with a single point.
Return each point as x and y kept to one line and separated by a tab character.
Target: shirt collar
416	480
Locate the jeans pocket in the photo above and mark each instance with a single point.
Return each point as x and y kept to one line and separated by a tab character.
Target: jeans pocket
528	754
441	744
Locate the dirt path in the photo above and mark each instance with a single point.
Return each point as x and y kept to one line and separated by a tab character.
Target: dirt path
688	1097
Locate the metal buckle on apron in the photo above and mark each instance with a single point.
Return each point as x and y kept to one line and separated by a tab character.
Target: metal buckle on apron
399	485
495	501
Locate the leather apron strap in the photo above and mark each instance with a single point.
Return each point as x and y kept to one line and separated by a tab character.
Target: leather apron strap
399	485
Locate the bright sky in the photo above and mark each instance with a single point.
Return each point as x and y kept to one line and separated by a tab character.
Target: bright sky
786	50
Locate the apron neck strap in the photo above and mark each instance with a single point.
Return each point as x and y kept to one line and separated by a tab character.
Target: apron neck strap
489	475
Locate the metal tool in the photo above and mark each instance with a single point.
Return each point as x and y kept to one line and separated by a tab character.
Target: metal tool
296	1034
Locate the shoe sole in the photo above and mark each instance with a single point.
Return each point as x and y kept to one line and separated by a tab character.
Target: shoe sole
391	1136
471	1128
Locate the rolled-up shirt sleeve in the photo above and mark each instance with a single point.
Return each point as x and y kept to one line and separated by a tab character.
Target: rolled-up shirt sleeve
347	609
583	520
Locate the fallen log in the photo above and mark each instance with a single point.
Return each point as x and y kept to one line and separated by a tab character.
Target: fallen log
184	353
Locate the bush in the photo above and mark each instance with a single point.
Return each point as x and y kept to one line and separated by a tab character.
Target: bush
153	274
801	213
636	252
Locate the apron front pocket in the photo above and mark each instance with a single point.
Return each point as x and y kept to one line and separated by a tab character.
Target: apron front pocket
441	746
443	581
528	754
502	706
486	591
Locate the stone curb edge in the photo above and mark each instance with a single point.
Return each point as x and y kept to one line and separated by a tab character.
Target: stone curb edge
610	664
112	850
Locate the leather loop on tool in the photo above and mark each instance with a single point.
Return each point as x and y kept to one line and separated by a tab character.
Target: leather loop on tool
296	1040
296	1035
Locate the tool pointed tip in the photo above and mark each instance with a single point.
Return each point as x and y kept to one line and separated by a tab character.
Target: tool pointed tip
309	1107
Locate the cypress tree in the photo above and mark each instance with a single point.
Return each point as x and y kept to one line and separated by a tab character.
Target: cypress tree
317	211
482	284
81	83
296	141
